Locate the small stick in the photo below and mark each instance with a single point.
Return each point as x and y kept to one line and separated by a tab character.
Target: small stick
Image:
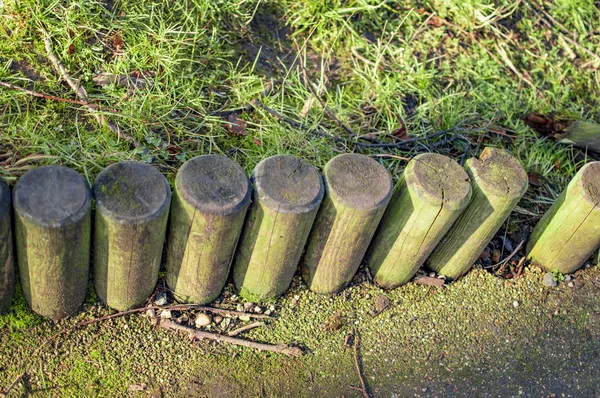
80	91
47	96
363	387
244	328
198	334
4	394
511	255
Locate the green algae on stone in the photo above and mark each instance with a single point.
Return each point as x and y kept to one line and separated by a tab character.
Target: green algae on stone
132	207
498	182
569	232
7	266
287	194
431	194
212	194
358	189
52	207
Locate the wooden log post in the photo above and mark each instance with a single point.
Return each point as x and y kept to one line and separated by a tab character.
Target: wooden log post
211	196
52	207
286	198
569	233
498	182
432	193
7	266
132	207
358	189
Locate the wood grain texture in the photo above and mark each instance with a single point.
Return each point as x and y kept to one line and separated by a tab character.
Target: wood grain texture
582	134
7	266
52	207
498	182
569	233
132	207
431	194
286	197
357	190
212	194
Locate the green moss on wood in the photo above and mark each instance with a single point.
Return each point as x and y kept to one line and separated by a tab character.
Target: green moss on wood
431	194
569	233
132	207
498	182
212	194
357	191
286	198
7	267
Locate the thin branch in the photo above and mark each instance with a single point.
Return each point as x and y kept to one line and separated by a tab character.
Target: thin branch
363	388
80	91
198	334
245	328
48	96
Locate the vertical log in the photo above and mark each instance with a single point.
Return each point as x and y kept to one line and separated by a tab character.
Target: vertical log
132	207
569	233
358	189
52	206
287	194
212	194
429	197
498	182
7	267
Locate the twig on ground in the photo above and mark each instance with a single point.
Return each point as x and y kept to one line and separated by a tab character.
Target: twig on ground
245	328
81	93
198	334
430	281
363	388
510	256
48	96
4	394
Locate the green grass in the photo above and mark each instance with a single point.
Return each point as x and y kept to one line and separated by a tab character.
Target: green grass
379	66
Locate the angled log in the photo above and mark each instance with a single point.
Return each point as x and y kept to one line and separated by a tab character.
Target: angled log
287	194
7	266
569	233
498	182
585	135
358	189
132	207
211	196
52	207
432	193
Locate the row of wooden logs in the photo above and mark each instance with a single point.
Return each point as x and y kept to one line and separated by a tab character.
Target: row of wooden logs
439	215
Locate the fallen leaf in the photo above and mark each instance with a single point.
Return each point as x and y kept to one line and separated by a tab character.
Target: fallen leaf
496	256
236	125
400	132
381	303
534	179
430	281
435	21
118	42
257	141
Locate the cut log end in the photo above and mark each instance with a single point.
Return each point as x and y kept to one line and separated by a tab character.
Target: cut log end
130	192
439	179
358	182
590	183
288	184
52	196
213	184
498	174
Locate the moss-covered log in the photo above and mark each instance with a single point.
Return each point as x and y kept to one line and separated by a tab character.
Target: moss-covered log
429	197
582	134
132	207
358	189
569	233
52	207
498	182
7	267
212	194
286	198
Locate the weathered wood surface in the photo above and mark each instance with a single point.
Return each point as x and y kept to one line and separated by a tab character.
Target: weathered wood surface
432	193
132	207
569	233
52	207
287	194
7	266
582	134
358	190
211	196
498	182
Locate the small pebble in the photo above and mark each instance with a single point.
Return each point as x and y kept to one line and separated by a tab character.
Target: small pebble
225	322
432	274
244	318
239	308
571	284
248	306
166	314
548	280
150	313
257	310
202	320
272	307
515	303
161	299
268	312
218	319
